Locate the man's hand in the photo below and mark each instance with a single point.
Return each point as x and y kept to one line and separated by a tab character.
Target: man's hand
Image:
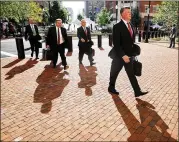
82	40
47	46
126	59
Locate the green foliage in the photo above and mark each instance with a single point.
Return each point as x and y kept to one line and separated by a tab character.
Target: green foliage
57	11
20	10
79	17
136	18
167	13
103	18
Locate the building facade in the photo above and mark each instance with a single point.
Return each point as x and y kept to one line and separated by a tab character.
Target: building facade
143	9
92	8
115	6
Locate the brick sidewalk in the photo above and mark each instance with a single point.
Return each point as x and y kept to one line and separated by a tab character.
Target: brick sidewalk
39	103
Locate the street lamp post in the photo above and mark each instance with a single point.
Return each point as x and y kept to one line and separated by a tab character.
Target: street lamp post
49	12
116	10
148	12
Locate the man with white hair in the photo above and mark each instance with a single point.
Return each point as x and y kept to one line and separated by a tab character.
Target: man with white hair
85	42
57	41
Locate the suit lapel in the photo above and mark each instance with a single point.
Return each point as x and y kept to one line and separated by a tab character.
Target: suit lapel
127	30
55	33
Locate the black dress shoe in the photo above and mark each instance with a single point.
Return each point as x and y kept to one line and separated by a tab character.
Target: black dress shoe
66	67
113	91
140	94
92	63
37	58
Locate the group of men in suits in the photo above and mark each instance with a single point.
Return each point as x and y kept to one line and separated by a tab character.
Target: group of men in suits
122	53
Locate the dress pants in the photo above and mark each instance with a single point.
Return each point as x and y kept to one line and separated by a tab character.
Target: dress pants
116	67
89	53
59	49
34	46
172	42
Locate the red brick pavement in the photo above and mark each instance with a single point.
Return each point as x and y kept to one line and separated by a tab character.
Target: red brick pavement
39	103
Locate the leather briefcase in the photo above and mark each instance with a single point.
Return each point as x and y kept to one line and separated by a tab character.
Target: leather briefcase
39	44
136	50
47	54
137	66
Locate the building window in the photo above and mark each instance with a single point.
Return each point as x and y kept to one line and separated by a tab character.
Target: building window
146	8
90	7
155	7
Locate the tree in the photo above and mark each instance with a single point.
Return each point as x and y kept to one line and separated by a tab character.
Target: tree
166	13
57	11
79	17
103	18
20	10
136	18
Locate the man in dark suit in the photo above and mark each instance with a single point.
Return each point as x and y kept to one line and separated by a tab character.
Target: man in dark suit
172	37
57	41
32	34
85	42
122	52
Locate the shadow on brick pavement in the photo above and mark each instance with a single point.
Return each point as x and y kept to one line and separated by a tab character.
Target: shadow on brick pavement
40	103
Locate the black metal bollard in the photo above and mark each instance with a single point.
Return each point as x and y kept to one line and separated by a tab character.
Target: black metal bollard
144	34
139	36
70	44
159	34
156	34
152	35
110	39
99	41
149	33
20	47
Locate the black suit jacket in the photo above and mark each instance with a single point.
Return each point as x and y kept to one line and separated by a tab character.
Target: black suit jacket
81	34
29	33
173	32
52	38
122	41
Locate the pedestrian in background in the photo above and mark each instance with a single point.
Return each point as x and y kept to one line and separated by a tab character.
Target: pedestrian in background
32	34
172	36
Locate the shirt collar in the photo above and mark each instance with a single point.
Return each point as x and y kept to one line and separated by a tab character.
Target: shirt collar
125	21
57	27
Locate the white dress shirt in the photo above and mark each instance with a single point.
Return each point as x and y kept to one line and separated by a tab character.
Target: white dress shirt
33	29
125	22
61	38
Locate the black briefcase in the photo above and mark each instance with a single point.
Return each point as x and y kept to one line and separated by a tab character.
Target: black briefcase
136	50
47	54
93	52
137	66
39	44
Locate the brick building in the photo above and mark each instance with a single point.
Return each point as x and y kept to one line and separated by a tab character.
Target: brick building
92	8
111	6
143	8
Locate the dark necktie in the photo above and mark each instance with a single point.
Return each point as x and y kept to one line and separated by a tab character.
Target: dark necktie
85	31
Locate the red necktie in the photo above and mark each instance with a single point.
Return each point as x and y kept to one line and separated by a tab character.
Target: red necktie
130	30
85	31
58	37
